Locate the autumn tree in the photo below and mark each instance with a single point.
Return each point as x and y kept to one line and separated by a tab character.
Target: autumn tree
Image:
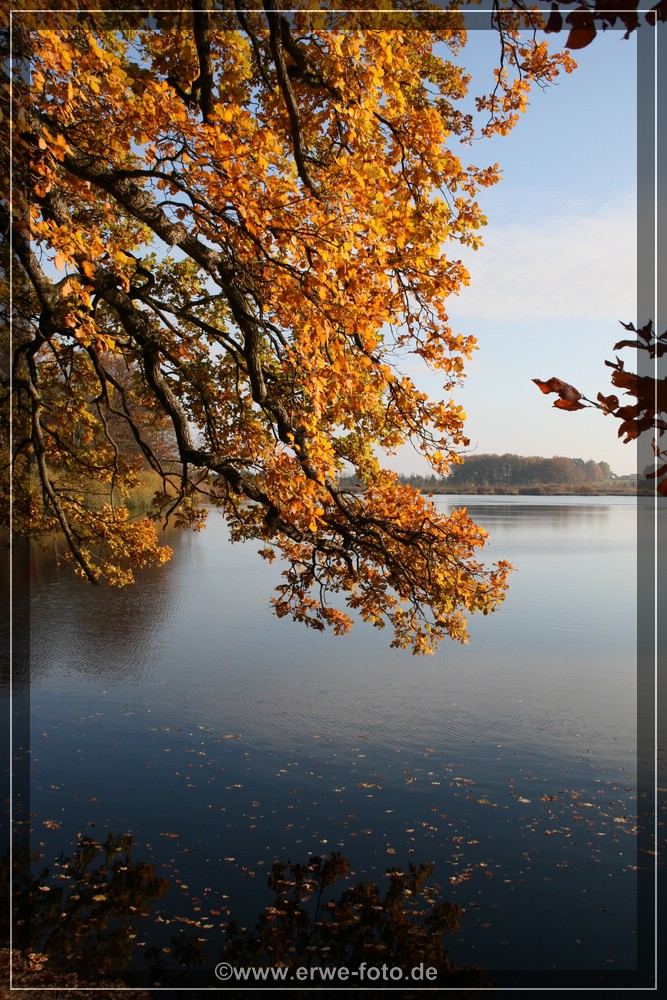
245	223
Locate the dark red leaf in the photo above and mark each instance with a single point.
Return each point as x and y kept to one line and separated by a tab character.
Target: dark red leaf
631	21
569	404
659	12
550	386
657	473
629	343
564	389
661	394
628	412
583	28
625	380
631	431
608	403
555	22
569	396
580	37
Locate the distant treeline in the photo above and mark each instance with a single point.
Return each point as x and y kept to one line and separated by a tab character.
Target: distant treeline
522	473
533	470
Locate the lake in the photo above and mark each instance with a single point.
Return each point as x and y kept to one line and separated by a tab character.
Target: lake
225	739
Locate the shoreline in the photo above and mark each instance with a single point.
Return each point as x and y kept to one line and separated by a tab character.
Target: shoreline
537	491
550	490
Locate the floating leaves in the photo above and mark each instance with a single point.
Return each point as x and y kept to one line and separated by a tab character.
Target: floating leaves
463	876
448	814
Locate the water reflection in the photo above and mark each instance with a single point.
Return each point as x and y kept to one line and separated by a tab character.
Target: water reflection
197	641
518	517
228	739
91	915
81	912
220	594
105	632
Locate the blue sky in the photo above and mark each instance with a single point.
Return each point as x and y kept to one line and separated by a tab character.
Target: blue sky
558	268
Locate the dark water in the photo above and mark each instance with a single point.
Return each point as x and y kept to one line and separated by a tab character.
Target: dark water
224	739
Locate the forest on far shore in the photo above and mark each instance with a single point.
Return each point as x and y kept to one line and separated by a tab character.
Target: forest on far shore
529	474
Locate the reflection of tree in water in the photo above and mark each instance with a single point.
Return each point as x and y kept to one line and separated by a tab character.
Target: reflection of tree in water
14	612
85	916
404	927
99	631
524	515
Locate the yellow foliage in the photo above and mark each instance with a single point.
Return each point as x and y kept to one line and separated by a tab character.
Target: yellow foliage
246	249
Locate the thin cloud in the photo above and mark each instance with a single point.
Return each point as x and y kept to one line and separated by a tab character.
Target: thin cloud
567	266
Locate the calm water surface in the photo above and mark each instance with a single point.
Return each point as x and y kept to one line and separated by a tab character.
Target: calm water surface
181	706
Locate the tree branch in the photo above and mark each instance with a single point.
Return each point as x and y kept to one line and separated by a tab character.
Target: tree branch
276	29
201	12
